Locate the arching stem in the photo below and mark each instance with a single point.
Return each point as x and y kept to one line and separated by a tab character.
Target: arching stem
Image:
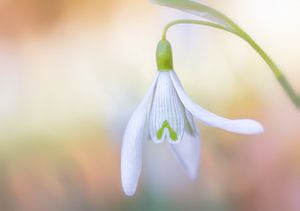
189	21
235	29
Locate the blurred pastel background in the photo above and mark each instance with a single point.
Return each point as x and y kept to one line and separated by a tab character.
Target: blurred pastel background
72	72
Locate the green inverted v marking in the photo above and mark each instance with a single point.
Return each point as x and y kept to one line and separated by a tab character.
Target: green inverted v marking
173	134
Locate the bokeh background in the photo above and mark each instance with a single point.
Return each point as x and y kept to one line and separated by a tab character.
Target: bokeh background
72	72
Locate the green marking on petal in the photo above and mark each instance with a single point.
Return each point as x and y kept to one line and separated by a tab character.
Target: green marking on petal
173	134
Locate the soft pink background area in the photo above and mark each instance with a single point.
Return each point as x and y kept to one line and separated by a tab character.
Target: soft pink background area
72	72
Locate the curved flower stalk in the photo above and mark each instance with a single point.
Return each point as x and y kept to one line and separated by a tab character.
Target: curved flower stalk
167	114
219	20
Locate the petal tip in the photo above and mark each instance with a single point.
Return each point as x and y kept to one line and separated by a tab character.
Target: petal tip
129	193
193	176
193	173
261	129
254	127
128	188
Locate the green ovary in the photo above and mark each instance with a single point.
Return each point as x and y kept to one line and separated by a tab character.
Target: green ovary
173	134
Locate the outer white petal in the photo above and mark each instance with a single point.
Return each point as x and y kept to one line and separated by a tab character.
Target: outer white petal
131	155
187	153
242	126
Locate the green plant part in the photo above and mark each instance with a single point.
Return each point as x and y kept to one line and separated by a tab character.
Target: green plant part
220	21
164	59
160	132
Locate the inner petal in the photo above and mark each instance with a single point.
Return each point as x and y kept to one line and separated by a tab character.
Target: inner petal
167	114
190	125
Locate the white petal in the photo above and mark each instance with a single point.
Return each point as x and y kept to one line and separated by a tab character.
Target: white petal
167	112
190	125
242	126
187	153
131	155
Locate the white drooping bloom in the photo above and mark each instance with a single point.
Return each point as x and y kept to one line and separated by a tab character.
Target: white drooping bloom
167	114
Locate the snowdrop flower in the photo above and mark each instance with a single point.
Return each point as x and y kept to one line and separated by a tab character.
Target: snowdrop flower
167	114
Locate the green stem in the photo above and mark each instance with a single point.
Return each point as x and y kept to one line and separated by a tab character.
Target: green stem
275	69
235	29
189	21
